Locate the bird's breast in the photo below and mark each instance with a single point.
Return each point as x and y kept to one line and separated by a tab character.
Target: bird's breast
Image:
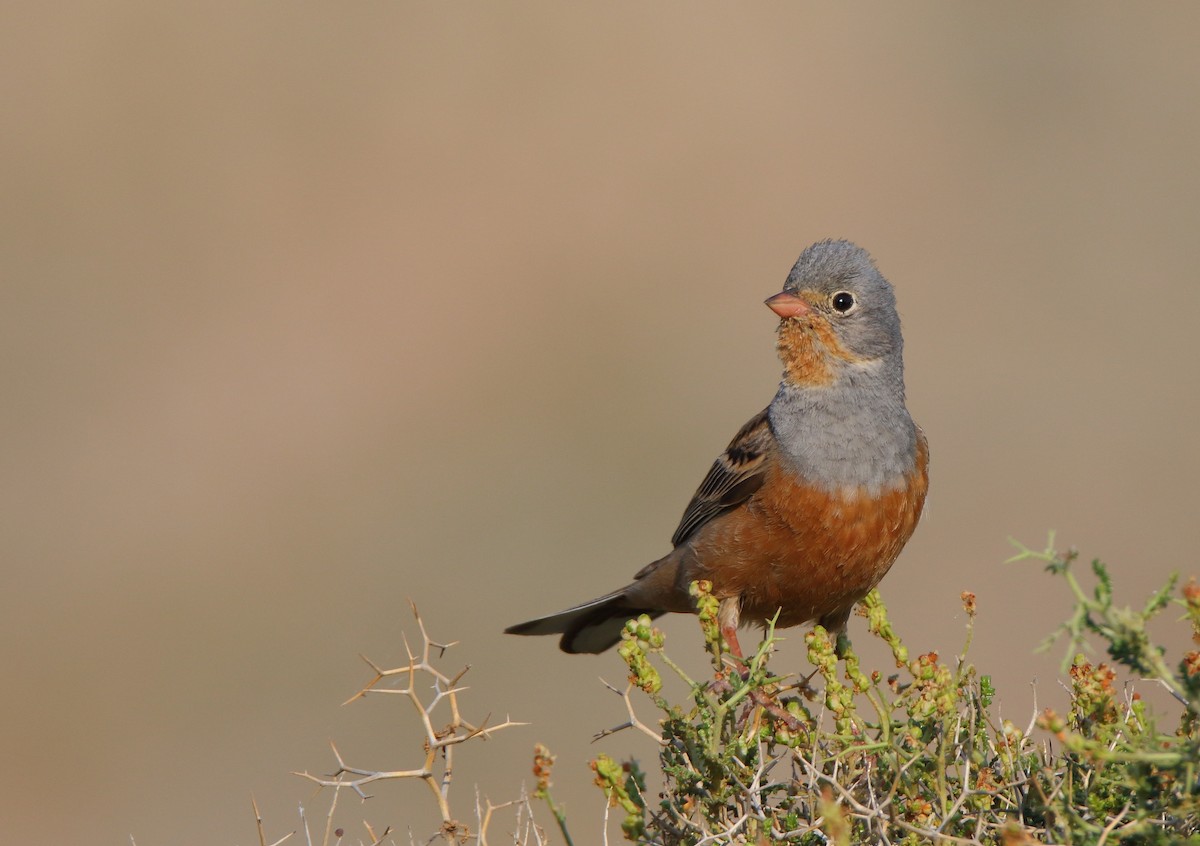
807	550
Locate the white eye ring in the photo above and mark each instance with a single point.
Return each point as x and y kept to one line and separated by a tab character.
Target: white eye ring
843	302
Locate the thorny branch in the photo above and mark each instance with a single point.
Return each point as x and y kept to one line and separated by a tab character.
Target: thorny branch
436	768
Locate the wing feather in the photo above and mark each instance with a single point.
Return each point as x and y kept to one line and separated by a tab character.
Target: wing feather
732	479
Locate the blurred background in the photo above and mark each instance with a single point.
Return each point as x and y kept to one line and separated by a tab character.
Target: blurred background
311	309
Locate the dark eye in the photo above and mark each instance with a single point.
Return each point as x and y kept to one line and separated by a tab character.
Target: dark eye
843	301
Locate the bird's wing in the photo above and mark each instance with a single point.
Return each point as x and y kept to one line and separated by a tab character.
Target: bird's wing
734	476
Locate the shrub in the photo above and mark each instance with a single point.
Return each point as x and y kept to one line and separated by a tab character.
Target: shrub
917	756
847	756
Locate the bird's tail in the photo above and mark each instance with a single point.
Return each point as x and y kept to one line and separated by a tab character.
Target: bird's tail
591	627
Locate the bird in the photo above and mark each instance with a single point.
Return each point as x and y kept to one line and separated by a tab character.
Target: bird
809	506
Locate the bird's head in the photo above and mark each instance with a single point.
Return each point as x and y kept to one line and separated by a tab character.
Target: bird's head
837	315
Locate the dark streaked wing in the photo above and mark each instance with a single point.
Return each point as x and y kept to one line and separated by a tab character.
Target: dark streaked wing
734	476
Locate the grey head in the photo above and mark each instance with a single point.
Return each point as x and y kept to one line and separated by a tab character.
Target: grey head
869	329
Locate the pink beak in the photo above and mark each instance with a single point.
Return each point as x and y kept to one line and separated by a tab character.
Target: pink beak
787	304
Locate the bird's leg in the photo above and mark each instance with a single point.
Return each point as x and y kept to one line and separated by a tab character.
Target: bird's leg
729	615
841	646
730	656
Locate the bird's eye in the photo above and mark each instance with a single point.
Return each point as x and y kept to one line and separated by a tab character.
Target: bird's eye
842	301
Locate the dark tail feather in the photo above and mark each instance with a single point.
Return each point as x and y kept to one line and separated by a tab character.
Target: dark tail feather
592	627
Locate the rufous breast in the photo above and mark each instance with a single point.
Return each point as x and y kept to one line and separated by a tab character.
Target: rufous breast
810	553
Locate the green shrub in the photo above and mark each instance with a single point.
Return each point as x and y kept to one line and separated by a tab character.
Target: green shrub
917	757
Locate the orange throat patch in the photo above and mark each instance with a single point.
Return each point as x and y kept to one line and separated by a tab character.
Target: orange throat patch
804	356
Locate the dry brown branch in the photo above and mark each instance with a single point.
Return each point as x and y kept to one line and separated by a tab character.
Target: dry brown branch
443	726
258	822
632	722
525	833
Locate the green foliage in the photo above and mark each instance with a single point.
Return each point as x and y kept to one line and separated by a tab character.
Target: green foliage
917	756
1122	628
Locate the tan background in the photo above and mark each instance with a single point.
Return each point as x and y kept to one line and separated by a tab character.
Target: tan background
310	308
